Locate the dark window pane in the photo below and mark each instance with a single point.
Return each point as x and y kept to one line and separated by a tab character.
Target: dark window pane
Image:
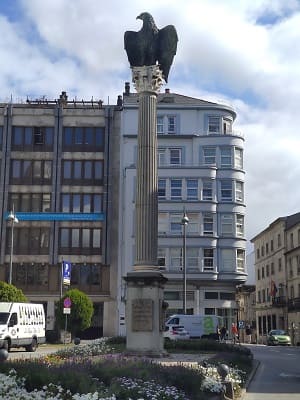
37	169
64	237
87	203
65	199
97	203
98	170
68	136
25	202
99	136
75	238
17	135
67	170
28	136
76	202
27	169
89	136
87	170
96	238
49	132
78	135
77	169
46	202
86	238
16	169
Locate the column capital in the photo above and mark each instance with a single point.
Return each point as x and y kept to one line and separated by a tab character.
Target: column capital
147	78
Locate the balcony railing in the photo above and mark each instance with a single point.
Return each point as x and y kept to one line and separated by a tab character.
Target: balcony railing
294	304
279	301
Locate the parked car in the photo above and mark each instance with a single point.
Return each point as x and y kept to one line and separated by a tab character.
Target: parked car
176	333
278	336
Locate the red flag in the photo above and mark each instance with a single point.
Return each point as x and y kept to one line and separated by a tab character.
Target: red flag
273	289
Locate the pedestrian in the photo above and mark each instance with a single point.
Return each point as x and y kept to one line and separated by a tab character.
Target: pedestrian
248	333
218	333
234	333
223	333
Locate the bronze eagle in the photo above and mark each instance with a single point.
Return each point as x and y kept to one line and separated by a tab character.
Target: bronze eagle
151	45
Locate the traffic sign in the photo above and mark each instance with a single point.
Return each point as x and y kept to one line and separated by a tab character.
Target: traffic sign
67	302
67	310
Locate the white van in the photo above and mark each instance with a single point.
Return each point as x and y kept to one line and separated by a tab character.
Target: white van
22	325
197	326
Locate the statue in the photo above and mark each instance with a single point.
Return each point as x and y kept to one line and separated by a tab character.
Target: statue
151	45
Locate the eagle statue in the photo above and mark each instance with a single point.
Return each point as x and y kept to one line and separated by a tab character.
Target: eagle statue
151	45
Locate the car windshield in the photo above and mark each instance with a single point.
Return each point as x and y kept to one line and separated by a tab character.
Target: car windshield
278	332
3	317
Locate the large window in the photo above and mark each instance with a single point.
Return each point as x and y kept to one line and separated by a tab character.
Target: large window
239	225
86	275
80	240
226	190
167	124
169	156
208	259
239	191
209	155
29	202
85	172
31	274
34	138
192	189
31	240
83	138
238	158
227	225
214	124
207	190
226	157
176	189
34	172
240	260
81	202
162	189
208	224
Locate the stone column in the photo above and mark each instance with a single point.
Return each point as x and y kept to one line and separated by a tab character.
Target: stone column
144	296
147	81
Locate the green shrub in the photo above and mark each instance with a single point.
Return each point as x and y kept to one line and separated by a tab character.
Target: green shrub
11	293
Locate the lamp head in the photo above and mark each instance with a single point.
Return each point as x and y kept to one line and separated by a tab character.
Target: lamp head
185	219
12	217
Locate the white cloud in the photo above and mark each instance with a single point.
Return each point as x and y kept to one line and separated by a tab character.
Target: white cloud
245	52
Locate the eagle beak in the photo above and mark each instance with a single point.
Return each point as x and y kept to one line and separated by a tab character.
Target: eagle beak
139	16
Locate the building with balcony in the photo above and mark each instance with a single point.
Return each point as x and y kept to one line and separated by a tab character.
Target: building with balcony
277	267
201	173
55	174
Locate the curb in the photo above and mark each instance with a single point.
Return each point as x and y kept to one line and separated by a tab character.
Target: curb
256	365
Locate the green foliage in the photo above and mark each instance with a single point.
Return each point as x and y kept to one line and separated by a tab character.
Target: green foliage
81	312
116	340
9	293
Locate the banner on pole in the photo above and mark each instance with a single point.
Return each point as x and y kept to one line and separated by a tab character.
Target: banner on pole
66	273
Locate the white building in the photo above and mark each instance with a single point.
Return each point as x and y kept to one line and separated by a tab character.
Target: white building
200	162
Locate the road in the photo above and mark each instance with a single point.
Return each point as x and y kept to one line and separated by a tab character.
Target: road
278	375
42	350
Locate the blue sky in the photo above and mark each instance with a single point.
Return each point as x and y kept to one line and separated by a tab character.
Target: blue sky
245	53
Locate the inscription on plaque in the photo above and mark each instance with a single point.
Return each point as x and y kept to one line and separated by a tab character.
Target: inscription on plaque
142	315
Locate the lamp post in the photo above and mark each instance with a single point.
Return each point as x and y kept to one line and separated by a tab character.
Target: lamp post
14	220
184	222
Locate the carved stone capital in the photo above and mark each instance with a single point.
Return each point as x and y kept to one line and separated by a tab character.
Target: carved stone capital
147	78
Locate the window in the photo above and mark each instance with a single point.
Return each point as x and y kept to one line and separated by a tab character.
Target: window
193	226
192	258
161	256
227	126
86	275
267	270
192	189
226	190
163	223
83	171
257	253
28	274
34	138
171	295
29	240
36	172
278	240
279	264
213	124
227	260
267	248
238	158
30	202
227	225
80	240
258	274
209	155
227	296
240	258
175	224
240	225
166	124
272	269
207	190
83	138
175	156
208	259
162	189
262	272
226	157
239	191
81	202
211	295
292	240
208	224
176	258
169	156
272	245
176	189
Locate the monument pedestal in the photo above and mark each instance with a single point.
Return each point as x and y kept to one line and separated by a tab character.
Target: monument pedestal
145	314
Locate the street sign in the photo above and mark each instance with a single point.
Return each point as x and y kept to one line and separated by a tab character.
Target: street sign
67	302
241	324
67	310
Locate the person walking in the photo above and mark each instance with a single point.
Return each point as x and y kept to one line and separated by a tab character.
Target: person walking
234	333
223	333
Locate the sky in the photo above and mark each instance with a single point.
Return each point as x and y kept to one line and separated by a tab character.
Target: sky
245	53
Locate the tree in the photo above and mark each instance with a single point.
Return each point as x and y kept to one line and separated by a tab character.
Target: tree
81	312
11	293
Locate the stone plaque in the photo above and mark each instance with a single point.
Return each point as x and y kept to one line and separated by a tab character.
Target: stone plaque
142	315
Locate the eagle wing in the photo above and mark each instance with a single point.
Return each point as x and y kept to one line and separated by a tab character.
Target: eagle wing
167	46
132	46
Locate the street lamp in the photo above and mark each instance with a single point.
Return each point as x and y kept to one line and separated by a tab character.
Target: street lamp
184	222
14	220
